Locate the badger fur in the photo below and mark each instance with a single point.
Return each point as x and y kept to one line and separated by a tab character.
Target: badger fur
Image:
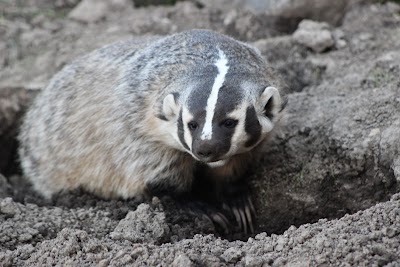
138	116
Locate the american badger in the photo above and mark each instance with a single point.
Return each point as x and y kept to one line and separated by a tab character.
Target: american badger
136	117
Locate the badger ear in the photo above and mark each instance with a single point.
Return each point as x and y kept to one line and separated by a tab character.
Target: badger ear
170	107
270	102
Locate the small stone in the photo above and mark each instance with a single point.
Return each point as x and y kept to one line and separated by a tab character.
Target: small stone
143	225
281	242
232	255
8	206
339	37
25	237
374	132
119	5
260	236
305	131
314	35
389	232
126	259
104	263
89	11
182	260
251	261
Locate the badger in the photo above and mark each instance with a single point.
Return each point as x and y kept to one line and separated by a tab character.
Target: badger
155	114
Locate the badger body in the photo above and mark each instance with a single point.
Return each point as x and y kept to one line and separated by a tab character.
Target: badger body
140	116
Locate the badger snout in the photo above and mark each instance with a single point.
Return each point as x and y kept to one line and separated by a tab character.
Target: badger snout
207	151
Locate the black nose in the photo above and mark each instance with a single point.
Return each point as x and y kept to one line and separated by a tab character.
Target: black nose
205	150
205	153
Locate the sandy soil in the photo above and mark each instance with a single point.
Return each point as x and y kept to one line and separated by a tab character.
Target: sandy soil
338	154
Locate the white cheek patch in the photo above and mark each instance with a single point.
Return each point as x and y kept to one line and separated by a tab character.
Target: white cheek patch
186	118
222	66
170	108
240	135
266	124
167	130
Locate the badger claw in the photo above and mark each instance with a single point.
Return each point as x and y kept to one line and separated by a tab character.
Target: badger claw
243	211
220	219
211	214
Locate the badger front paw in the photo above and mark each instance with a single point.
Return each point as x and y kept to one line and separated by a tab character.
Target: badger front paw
237	202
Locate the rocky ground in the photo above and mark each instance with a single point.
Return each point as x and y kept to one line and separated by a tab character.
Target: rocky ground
338	154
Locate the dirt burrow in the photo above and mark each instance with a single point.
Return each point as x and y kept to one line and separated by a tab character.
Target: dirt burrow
337	154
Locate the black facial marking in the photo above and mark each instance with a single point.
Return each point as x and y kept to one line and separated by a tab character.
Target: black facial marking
229	97
252	127
181	131
222	137
161	117
229	123
193	125
176	96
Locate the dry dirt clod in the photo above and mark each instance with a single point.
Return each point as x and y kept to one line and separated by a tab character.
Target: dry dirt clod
338	154
314	35
143	225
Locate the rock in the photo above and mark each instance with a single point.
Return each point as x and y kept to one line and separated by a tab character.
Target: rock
314	35
321	10
120	5
339	37
89	11
143	225
250	261
182	260
232	255
65	3
9	207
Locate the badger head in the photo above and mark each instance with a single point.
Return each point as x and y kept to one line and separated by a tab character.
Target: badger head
222	112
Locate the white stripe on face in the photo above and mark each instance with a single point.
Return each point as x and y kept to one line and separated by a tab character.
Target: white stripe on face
213	98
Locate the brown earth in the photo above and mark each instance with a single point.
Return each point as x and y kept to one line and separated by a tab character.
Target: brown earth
337	155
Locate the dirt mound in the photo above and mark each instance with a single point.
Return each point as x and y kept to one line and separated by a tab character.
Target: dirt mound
339	152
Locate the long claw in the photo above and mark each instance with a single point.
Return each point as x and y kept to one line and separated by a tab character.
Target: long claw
253	210
204	216
237	217
223	217
249	218
244	221
219	219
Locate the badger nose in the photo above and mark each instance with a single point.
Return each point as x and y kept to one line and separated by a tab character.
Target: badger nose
205	151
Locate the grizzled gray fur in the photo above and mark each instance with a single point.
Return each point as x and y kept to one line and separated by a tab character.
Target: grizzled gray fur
137	115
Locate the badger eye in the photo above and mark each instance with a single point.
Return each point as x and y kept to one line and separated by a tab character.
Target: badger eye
229	123
193	125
